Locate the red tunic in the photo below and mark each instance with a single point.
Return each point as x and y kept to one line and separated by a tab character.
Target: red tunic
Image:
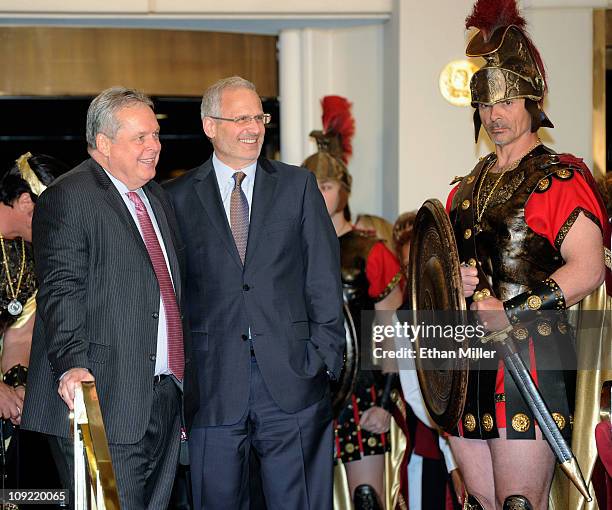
382	269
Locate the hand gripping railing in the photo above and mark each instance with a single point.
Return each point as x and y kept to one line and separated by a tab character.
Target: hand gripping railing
95	486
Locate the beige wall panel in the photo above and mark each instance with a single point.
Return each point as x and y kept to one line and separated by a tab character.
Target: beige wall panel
324	7
78	61
87	6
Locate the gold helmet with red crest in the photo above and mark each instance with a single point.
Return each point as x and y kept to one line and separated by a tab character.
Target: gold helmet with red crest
333	142
513	66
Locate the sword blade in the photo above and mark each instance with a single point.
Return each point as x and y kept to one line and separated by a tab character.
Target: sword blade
534	400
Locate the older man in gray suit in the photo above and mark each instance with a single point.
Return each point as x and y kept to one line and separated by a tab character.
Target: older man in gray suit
264	301
109	303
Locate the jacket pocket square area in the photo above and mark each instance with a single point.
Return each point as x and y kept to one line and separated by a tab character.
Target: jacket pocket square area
199	340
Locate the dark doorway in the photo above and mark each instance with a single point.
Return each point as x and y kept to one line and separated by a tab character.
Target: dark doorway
56	126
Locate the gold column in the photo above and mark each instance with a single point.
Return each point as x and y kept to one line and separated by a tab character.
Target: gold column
599	92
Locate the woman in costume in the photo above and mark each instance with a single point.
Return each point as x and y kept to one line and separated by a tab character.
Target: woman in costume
19	188
377	226
370	278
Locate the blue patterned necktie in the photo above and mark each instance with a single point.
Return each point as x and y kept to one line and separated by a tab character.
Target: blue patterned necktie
239	215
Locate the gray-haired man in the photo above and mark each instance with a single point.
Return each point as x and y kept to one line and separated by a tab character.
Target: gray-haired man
109	303
264	301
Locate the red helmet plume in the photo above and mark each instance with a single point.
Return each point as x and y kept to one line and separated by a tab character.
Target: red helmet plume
489	15
337	119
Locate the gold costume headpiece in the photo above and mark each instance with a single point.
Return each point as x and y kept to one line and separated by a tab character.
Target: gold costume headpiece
333	143
513	67
28	175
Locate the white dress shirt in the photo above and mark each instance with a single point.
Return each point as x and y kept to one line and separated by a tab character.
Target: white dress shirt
161	356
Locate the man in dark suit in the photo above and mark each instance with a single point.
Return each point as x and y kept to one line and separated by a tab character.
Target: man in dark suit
264	302
107	260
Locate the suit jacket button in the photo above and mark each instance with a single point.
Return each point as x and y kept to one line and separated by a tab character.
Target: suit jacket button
152	357
155	315
244	337
245	287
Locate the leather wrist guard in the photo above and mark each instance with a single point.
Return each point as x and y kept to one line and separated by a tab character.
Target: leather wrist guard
15	376
542	296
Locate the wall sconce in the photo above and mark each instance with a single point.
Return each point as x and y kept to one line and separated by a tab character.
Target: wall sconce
455	82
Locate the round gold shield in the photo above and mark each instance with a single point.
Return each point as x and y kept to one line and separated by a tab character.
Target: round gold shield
434	276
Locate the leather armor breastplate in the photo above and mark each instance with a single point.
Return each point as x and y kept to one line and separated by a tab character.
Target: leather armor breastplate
355	247
512	256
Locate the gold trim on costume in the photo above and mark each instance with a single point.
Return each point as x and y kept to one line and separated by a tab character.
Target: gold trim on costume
520	333
564	174
534	302
487	422
521	422
544	185
569	222
559	420
544	328
469	422
390	286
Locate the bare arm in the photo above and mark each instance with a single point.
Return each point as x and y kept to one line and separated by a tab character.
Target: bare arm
584	270
17	344
582	273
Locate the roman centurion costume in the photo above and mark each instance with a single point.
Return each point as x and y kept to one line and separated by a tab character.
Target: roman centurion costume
511	225
369	273
18	288
18	282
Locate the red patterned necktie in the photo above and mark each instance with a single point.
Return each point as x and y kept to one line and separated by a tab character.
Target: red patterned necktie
174	326
239	215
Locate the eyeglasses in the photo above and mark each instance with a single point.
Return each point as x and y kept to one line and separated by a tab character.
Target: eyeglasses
243	120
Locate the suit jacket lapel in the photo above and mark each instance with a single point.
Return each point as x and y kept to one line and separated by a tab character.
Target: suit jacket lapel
207	188
166	233
263	192
116	203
